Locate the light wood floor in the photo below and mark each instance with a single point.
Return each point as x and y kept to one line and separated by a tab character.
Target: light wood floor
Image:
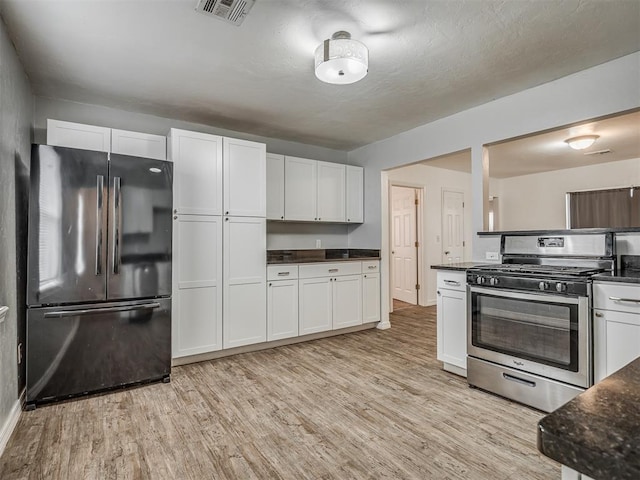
373	404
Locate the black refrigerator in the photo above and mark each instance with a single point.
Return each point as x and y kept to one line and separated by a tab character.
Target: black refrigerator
99	272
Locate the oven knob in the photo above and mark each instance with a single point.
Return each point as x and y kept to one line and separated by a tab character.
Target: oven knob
543	285
561	287
479	280
493	281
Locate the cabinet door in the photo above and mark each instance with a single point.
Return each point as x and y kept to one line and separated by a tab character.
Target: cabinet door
282	309
331	186
616	341
197	285
355	195
245	178
77	135
139	144
347	301
301	179
370	297
275	187
245	271
197	171
452	327
315	305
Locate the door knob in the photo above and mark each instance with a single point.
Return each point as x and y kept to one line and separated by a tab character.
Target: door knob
447	252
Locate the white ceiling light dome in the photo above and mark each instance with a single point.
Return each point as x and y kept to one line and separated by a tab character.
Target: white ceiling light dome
581	142
341	60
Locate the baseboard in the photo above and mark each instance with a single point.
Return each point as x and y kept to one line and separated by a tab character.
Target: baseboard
430	303
10	425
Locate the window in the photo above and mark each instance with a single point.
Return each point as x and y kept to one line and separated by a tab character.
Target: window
617	207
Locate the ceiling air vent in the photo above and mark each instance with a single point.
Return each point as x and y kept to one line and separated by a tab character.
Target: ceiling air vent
232	11
598	152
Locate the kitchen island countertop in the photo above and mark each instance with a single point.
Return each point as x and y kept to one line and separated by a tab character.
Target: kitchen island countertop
597	432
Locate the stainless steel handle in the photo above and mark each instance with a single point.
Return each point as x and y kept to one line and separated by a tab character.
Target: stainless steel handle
88	311
519	380
99	203
618	299
452	282
117	223
283	274
333	270
372	267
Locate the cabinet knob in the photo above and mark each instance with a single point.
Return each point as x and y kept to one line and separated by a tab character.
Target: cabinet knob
282	217
365	276
226	219
348	219
175	210
319	218
175	217
598	314
269	284
439	292
227	212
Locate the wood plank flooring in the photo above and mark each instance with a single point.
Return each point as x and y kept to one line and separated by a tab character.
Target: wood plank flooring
367	405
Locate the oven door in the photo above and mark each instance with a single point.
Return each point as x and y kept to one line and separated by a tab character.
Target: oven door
541	333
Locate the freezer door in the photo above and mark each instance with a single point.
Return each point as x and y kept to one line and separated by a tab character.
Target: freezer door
89	348
67	226
140	226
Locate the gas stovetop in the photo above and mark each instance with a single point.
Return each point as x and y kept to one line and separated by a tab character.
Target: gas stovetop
542	270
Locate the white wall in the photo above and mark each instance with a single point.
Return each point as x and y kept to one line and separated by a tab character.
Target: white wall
433	180
16	113
279	236
602	90
537	201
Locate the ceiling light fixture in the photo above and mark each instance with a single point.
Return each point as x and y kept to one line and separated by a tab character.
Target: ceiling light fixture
341	60
581	142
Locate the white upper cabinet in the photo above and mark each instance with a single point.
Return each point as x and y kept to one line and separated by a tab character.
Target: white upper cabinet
275	187
245	178
331	192
355	194
77	135
301	182
139	144
197	172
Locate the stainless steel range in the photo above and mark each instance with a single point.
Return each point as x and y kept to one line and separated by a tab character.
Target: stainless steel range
529	318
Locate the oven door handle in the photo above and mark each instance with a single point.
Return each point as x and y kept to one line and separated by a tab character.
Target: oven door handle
518	295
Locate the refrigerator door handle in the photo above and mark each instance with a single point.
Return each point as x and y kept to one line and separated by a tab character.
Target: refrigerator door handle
88	311
117	223
99	205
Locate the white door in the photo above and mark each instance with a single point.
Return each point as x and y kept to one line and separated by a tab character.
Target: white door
370	297
245	270
197	172
452	226
404	251
315	305
275	187
355	194
331	198
300	189
245	178
282	309
197	285
347	301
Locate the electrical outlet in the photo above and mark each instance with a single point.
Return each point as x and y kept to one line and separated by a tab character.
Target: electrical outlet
318	244
492	256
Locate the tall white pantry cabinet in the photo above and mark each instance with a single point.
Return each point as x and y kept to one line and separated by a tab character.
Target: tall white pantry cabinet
219	206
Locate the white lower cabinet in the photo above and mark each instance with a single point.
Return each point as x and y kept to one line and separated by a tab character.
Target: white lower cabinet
347	301
197	285
282	309
616	317
370	297
315	305
452	321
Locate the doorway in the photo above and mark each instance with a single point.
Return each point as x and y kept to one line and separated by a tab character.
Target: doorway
404	243
452	226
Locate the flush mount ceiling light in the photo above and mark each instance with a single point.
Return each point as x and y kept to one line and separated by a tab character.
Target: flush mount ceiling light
581	142
341	60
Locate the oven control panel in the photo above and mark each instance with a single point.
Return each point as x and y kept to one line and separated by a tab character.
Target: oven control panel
515	282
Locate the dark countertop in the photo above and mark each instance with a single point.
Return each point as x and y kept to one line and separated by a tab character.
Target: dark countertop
575	231
625	276
275	257
598	432
462	266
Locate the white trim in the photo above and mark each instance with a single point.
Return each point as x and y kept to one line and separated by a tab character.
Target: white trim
9	425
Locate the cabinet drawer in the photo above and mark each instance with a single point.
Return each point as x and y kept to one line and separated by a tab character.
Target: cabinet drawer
282	272
330	269
452	280
616	296
371	266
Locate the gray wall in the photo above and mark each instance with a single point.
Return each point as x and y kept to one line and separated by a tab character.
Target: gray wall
16	113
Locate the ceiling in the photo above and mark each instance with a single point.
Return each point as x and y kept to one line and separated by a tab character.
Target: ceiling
428	58
546	152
